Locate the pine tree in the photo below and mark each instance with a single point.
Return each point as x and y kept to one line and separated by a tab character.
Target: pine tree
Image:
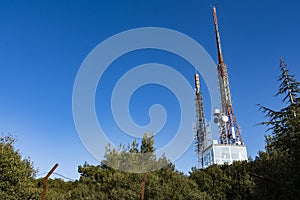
284	123
289	86
147	144
282	149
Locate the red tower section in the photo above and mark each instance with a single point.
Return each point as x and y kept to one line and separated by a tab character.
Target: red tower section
229	129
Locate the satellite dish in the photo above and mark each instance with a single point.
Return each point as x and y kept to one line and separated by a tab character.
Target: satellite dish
224	118
217	112
216	120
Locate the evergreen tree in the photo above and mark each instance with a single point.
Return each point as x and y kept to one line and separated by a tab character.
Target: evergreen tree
135	159
147	144
284	123
108	181
282	149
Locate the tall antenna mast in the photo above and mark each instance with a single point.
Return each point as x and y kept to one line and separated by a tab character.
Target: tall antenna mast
201	140
229	129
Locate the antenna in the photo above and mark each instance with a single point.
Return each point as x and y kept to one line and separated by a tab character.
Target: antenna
230	147
218	39
200	137
228	126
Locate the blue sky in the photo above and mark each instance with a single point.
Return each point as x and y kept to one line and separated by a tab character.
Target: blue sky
43	44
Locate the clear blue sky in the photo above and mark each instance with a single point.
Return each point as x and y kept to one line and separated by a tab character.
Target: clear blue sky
43	44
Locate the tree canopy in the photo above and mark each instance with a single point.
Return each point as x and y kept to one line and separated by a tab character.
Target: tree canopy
281	160
16	174
273	174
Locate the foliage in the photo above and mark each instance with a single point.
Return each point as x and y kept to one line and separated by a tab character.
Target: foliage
284	123
135	160
225	181
279	164
164	183
16	174
171	184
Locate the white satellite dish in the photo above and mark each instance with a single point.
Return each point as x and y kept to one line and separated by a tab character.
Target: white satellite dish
224	118
217	112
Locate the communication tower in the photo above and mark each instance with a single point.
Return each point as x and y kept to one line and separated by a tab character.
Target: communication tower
200	137
229	146
229	129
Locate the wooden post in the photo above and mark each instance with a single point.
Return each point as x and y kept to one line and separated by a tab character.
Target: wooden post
46	181
143	186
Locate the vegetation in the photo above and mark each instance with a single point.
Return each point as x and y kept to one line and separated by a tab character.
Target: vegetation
281	160
273	174
16	175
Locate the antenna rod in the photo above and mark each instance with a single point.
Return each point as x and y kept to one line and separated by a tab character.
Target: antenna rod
220	56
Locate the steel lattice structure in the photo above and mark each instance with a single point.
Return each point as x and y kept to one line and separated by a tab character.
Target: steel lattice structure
229	129
201	140
231	147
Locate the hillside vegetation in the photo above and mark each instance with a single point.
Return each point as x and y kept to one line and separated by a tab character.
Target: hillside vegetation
273	174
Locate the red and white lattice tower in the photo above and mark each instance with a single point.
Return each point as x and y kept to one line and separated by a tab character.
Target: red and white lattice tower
229	129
